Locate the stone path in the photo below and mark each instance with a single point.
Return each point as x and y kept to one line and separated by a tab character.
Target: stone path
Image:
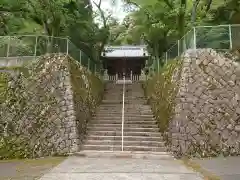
225	168
85	168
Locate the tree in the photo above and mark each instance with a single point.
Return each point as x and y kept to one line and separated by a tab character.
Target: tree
54	18
157	23
162	22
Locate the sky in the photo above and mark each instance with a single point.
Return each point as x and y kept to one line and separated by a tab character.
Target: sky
117	9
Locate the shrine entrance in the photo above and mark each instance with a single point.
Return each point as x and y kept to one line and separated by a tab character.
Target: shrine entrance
124	66
125	61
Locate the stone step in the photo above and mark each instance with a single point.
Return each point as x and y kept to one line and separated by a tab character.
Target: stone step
135	111
114	106
133	115
126	129
140	100
125	154
128	94
114	89
113	102
125	148
119	133
125	125
117	119
126	111
126	138
126	143
127	121
141	106
133	99
127	107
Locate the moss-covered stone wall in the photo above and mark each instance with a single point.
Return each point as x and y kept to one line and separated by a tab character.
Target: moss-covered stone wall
46	108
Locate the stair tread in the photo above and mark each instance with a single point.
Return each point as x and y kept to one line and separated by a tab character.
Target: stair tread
128	136
128	123
124	152
137	120
125	127
126	118
124	132
120	119
120	126
128	140
125	148
125	141
136	113
103	145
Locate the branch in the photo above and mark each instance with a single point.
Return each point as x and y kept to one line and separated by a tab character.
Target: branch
208	6
101	13
168	3
194	11
99	4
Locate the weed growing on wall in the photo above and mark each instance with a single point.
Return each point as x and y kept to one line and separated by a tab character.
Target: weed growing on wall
161	91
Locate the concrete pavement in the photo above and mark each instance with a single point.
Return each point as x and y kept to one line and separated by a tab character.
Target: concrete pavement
226	168
103	168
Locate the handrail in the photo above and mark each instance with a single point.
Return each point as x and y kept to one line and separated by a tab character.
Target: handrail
123	102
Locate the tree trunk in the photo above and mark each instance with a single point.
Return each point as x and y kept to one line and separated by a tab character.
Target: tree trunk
181	18
194	12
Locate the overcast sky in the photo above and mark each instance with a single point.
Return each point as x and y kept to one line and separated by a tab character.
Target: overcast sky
117	10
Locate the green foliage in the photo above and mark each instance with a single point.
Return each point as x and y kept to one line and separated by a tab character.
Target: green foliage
161	91
74	19
213	37
160	23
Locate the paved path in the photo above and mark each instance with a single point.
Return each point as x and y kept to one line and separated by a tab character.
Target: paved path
85	168
226	168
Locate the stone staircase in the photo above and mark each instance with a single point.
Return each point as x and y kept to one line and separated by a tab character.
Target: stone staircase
141	133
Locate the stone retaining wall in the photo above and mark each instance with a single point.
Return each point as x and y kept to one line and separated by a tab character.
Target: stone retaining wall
201	113
206	120
47	108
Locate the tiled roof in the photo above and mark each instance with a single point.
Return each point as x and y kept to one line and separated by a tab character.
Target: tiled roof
125	51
